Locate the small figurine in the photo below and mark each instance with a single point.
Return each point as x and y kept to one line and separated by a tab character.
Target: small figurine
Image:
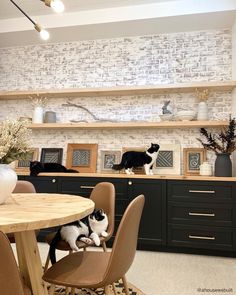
164	108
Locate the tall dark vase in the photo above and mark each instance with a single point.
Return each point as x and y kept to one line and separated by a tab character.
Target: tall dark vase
223	165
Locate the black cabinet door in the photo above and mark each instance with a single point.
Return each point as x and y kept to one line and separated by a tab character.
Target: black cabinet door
44	184
153	222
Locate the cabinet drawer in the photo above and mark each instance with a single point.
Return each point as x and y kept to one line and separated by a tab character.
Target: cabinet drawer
204	213
201	237
200	191
83	186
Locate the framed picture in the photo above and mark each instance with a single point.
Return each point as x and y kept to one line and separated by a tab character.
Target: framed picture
82	157
51	155
108	158
168	160
23	165
193	158
138	170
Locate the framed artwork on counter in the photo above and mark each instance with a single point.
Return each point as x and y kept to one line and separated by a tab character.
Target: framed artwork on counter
193	158
168	160
108	158
82	157
51	155
23	165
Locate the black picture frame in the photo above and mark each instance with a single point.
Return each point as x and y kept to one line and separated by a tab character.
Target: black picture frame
51	155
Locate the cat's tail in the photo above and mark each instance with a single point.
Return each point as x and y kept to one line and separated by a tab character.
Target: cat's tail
72	171
53	245
119	166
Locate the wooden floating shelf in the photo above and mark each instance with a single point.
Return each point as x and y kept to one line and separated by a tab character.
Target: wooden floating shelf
131	125
121	90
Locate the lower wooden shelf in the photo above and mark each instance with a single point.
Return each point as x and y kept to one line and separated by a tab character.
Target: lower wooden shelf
131	125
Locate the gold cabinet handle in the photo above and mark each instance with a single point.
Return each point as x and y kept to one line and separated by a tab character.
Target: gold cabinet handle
201	214
87	186
201	238
202	192
130	182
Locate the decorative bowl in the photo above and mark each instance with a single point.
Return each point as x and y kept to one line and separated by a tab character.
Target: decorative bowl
185	115
166	117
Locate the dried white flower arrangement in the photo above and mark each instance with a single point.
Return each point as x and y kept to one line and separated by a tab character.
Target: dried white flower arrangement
202	95
38	100
14	141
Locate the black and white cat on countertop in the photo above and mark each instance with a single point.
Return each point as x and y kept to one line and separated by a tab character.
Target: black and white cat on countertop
132	159
87	230
37	167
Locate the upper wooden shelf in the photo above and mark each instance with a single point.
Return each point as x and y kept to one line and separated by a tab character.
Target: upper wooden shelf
121	90
130	125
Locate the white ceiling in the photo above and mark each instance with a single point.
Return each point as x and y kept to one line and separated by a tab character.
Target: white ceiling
93	19
36	7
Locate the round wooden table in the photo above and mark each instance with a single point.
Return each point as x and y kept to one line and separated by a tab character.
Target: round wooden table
22	214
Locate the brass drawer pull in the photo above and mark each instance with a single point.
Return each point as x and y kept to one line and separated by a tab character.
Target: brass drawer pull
87	186
201	214
203	192
201	238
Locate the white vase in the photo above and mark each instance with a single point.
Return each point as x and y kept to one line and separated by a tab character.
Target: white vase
8	179
202	113
38	115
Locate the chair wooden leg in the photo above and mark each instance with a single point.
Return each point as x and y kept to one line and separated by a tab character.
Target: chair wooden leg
85	249
125	285
107	290
104	246
72	291
67	291
52	290
47	262
114	288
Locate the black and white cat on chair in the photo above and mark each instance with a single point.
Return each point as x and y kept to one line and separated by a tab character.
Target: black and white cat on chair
134	159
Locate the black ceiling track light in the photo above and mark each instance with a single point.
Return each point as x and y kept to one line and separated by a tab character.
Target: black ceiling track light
56	5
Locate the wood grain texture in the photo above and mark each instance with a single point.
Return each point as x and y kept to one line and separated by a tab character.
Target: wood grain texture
121	90
131	125
24	212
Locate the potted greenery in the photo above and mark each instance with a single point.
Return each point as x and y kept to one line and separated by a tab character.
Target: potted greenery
223	144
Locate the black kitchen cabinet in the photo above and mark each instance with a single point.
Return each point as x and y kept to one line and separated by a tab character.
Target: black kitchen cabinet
178	214
202	214
152	229
43	184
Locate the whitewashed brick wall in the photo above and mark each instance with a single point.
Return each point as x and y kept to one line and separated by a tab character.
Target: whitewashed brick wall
167	58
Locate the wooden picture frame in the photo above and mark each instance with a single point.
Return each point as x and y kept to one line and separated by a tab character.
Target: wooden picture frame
138	170
82	157
24	165
108	158
168	160
193	158
51	155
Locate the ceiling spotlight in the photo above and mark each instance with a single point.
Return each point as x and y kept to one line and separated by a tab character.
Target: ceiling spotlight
57	5
43	33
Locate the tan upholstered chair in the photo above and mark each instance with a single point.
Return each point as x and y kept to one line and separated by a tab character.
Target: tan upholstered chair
103	195
93	269
10	280
21	187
